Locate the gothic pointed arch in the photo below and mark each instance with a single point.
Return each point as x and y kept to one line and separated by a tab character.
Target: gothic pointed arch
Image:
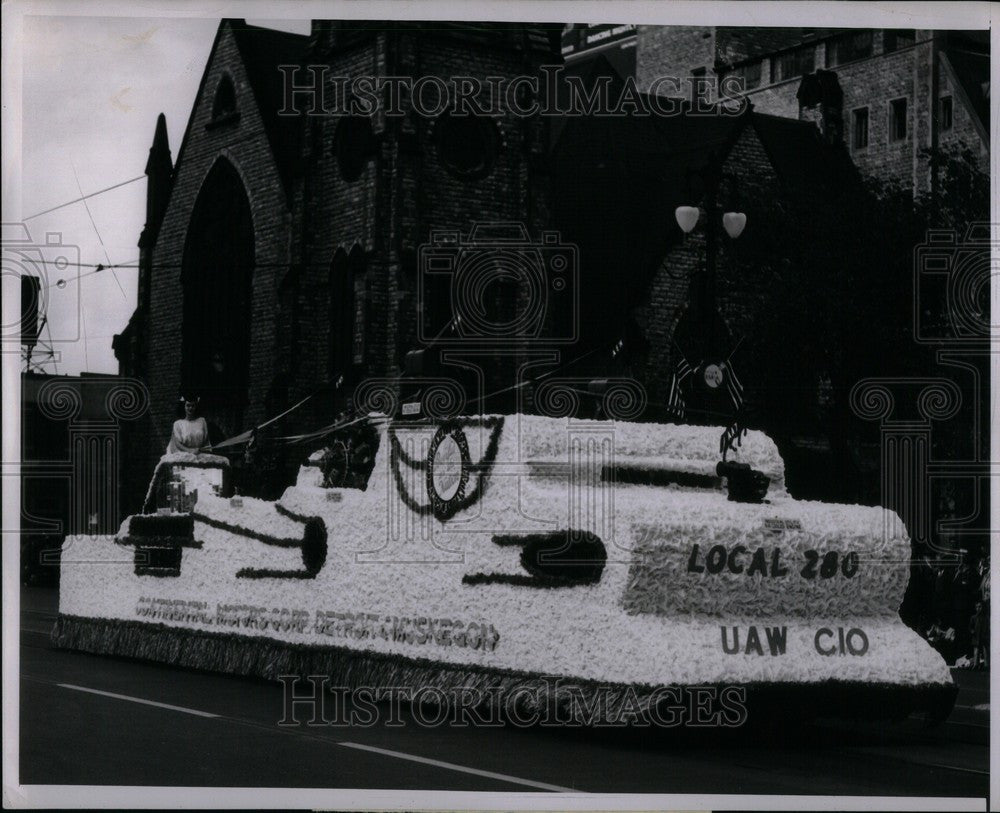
224	103
217	281
348	312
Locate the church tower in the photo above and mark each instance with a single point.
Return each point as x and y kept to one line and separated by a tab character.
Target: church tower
376	187
159	172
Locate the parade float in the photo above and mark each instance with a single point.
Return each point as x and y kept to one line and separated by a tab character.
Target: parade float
613	564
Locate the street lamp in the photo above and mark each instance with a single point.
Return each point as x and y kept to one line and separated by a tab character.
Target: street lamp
712	369
687	218
732	222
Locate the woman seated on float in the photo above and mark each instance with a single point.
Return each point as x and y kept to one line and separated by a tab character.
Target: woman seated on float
190	433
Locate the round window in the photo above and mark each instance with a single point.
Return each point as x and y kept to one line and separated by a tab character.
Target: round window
354	145
467	145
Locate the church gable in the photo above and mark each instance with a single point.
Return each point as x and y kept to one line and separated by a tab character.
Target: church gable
239	98
229	136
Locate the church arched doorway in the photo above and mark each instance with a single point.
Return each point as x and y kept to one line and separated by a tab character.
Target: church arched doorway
217	279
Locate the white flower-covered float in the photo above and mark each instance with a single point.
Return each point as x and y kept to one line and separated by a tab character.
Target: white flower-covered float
577	559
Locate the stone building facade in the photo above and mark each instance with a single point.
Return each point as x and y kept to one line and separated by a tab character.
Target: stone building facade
895	93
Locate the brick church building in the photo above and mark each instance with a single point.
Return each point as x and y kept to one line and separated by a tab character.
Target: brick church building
281	253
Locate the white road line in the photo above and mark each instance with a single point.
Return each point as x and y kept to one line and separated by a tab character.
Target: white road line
966	725
138	700
461	768
953	768
451	766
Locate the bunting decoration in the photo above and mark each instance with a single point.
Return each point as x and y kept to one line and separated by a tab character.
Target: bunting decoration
708	375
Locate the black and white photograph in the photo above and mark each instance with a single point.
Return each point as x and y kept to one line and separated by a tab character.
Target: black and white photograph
477	406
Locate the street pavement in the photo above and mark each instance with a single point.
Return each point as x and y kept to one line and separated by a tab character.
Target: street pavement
97	720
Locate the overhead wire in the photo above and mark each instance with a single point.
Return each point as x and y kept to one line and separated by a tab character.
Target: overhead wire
249	137
96	230
352	416
84	197
98	267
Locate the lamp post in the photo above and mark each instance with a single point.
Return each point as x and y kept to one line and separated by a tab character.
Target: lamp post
711	371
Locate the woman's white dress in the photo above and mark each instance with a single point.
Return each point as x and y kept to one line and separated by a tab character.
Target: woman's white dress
188	436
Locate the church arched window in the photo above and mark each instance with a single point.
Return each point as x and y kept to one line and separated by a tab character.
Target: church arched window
224	104
348	312
353	146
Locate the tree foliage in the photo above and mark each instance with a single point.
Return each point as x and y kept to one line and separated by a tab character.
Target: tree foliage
837	269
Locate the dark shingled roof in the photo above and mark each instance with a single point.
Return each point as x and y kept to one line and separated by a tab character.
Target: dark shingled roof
539	37
617	181
735	45
972	69
800	156
543	37
262	50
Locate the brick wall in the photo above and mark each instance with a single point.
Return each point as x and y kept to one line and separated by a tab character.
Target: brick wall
332	215
965	129
403	194
673	51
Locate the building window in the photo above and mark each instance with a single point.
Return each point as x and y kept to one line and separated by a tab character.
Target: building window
359	278
945	115
849	47
225	99
859	129
348	313
897	120
354	146
796	63
467	145
895	39
750	74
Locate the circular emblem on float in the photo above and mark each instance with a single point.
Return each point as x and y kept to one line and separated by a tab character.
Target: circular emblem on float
713	376
448	468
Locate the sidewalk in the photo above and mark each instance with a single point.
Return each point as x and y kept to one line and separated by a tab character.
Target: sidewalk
39	606
40	600
973	689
